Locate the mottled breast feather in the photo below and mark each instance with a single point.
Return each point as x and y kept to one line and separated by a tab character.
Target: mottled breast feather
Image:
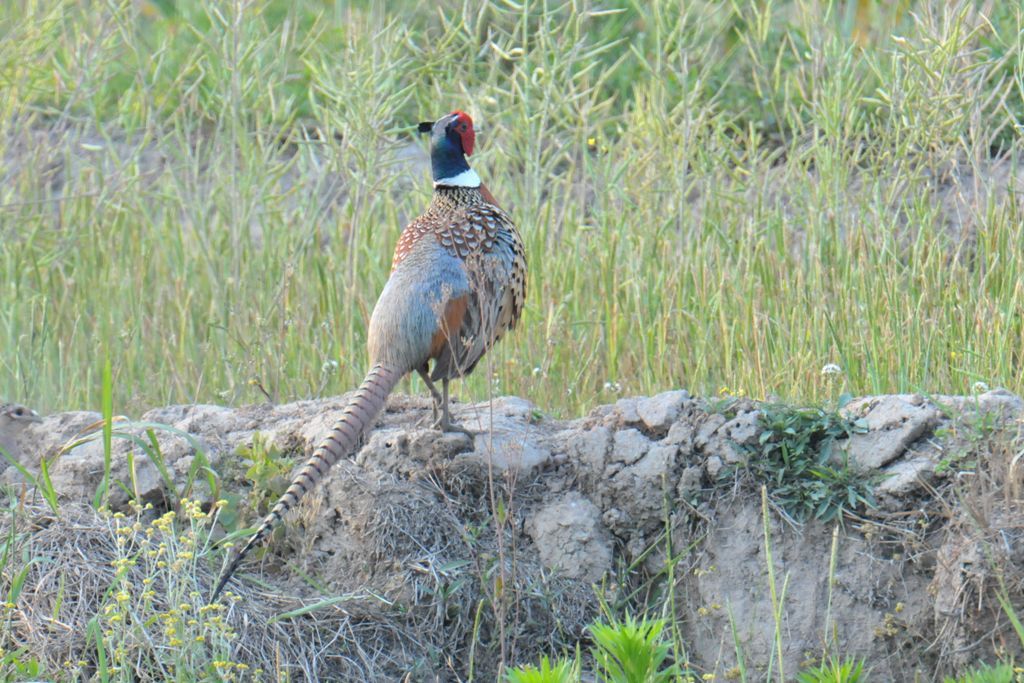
412	234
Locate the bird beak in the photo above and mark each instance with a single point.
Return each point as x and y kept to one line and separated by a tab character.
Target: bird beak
426	126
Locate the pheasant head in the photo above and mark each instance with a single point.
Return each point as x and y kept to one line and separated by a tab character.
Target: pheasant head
451	140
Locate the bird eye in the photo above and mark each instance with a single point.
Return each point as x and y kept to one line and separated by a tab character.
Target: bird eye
19	411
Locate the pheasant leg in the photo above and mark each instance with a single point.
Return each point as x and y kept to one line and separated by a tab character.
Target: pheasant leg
445	424
434	393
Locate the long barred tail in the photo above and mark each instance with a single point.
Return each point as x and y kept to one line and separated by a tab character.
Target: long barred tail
342	441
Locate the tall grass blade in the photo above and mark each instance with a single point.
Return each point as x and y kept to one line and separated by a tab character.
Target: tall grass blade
777	598
107	411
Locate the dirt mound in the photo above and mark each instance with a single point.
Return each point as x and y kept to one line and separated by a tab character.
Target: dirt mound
455	552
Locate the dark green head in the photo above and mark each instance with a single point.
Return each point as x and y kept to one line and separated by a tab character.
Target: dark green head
451	140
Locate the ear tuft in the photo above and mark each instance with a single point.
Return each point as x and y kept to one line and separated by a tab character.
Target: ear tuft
426	126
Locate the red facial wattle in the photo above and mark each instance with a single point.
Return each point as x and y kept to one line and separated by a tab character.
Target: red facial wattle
463	125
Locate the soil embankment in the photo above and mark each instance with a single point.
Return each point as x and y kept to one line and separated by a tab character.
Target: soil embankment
587	507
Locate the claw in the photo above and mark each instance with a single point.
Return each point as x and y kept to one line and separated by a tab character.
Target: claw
449	427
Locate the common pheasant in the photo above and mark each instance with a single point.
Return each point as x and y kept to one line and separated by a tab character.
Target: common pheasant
457	284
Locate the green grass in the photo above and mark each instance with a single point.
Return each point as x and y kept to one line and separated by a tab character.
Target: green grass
833	671
712	197
984	673
627	651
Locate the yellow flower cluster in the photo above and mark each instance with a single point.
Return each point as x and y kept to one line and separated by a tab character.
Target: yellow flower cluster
234	671
163	616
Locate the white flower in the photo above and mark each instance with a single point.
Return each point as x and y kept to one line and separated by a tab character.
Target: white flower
328	366
536	371
979	388
831	369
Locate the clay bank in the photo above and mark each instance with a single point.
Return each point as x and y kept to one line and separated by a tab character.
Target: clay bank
435	555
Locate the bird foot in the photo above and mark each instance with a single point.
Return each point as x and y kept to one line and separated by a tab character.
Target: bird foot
444	424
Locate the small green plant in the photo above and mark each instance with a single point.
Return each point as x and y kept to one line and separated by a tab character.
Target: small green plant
833	671
1003	672
632	651
269	471
561	671
796	460
19	665
629	651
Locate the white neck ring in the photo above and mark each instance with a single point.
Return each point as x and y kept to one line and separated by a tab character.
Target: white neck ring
467	178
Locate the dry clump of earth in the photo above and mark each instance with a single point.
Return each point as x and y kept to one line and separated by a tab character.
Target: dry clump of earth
435	581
